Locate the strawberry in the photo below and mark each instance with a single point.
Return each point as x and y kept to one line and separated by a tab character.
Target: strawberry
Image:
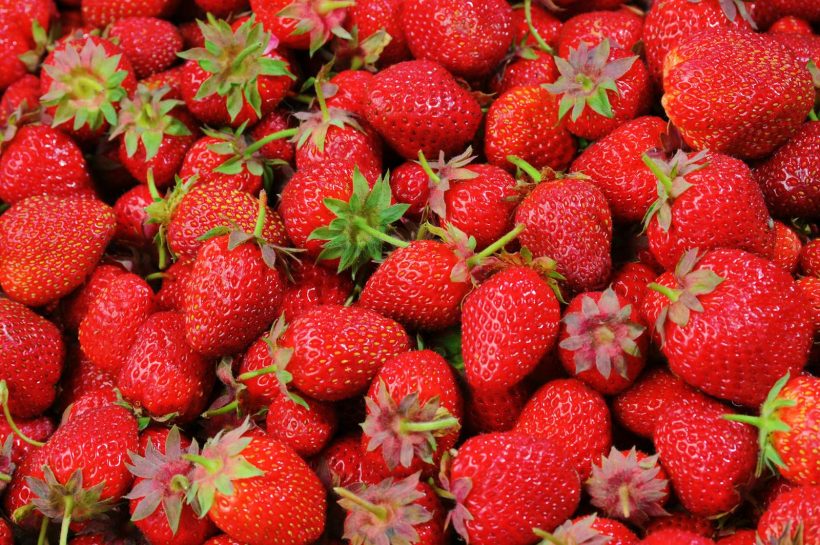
810	288
272	497
237	76
98	13
787	246
13	45
496	411
313	285
39	160
355	343
706	201
372	16
150	44
622	28
630	486
6	535
82	84
509	323
171	78
614	165
171	295
76	305
678	537
767	12
235	290
567	412
712	93
740	537
541	22
222	8
407	511
709	459
24	13
526	68
159	476
347	90
794	515
24	94
506	484
682	521
37	429
695	312
340	464
134	225
302	24
278	148
587	73
810	258
306	427
467	38
414	408
588	530
524	122
81	378
398	107
630	282
568	220
789	24
162	374
50	244
786	177
111	324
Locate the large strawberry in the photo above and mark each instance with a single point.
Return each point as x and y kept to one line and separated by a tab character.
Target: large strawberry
712	92
506	484
98	13
730	323
149	43
792	517
49	244
372	16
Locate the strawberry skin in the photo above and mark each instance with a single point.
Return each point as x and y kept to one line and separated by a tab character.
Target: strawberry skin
314	285
371	16
623	29
306	430
98	13
678	537
798	506
150	44
49	244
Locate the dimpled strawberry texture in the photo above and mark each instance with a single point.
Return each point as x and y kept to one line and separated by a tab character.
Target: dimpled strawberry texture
799	503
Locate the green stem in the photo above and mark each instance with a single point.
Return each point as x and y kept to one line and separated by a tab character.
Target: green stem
539	40
659	174
362	224
435	425
211	466
152	186
244	54
623	494
68	507
440	492
380	512
21	513
41	538
744	419
530	170
10	419
260	216
331	5
230	407
278	135
270	369
495	246
5	478
546	536
671	294
179	483
813	115
320	98
427	169
159	275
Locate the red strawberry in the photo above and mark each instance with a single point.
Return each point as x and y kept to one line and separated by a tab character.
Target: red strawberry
13	44
810	288
622	28
793	514
787	246
590	529
789	24
630	281
24	13
740	537
24	94
76	305
399	107
354	343
682	521
220	87
305	427
49	244
496	411
506	484
98	13
302	24
709	459
171	296
528	67
524	122
171	78
313	285
712	92
341	463
786	178
544	23
810	258
134	225
569	413
706	201
37	429
678	537
272	497
82	378
110	325
279	148
696	308
262	375
372	16
347	90
468	38
6	535
509	323
150	44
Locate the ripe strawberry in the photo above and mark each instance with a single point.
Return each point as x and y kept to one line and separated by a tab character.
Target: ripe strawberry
567	412
82	82
6	535
347	90
302	24
786	178
678	537
272	497
547	26
171	78
407	511
639	408
150	44
713	96
24	94
590	529
810	258
414	409
810	288
13	44
278	148
682	521
710	474
24	13
159	476
222	540
630	282
398	107
98	13
49	244
622	28
340	464
767	12
614	165
76	305
587	73
506	484
237	76
37	429
525	68
39	160
372	16
234	292
787	247
789	24
706	201
793	514
134	225
695	310
82	378
306	427
568	220
171	295
509	323
804	48
495	411
469	39
631	486
740	537
113	319
223	8
355	343
524	122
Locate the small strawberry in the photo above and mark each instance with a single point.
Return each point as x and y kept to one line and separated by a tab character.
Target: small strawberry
36	430
81	378
150	44
98	13
793	515
347	90
496	411
306	426
787	246
313	285
630	282
372	16
622	28
340	464
790	24
525	68
24	94
134	225
810	288
280	149
810	258
303	24
222	8
13	45
171	295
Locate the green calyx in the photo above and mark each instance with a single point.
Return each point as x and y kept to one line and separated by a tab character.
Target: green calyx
146	118
4	402
243	153
86	84
360	230
42	40
367	51
768	423
236	60
586	76
672	183
162	209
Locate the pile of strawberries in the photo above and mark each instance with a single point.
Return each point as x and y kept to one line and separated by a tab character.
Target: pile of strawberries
409	272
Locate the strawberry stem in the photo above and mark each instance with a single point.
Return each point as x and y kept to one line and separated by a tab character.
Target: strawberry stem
41	538
362	224
278	135
380	512
179	483
4	401
320	98
623	494
257	373
546	536
260	217
659	174
427	169
211	466
530	170
435	425
239	59
533	31
671	294
68	507
225	409
495	246
152	186
331	5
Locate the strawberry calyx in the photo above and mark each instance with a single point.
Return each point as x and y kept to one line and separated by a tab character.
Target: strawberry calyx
319	19
527	177
586	76
601	334
86	84
768	423
457	491
217	466
162	209
684	297
388	508
359	232
145	118
579	532
142	417
441	172
627	487
792	533
243	153
13	122
406	429
672	183
236	60
463	247
163	479
42	39
545	266
363	54
4	402
234	398
7	465
732	8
